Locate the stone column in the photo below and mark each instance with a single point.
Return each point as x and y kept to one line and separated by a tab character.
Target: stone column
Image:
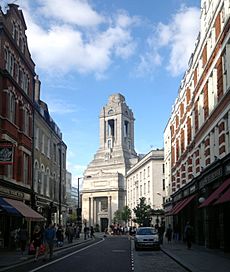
110	209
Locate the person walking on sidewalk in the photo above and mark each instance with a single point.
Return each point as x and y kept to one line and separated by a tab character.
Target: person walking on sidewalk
92	232
188	235
49	236
37	240
168	234
23	237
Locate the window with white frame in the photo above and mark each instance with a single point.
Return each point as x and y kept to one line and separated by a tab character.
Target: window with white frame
43	143
42	178
36	176
48	147
37	137
226	67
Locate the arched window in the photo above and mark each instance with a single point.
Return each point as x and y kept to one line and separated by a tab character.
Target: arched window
42	178
47	184
36	176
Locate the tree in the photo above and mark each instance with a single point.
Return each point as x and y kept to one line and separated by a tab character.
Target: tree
143	213
126	214
117	217
122	215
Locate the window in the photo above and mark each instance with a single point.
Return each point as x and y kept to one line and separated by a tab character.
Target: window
25	168
12	105
36	176
148	171
47	182
163	183
126	129
226	67
48	148
9	171
55	152
26	122
37	138
111	128
42	178
43	143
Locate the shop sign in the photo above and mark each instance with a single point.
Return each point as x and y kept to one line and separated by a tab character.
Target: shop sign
10	192
6	153
211	177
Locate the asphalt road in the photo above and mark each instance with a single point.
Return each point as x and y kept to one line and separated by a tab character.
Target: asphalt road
112	254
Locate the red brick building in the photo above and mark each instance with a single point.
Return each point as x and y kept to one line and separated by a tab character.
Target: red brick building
16	113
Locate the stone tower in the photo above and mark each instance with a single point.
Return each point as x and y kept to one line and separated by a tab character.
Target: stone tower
104	187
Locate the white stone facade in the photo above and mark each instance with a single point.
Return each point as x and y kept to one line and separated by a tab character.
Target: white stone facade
104	186
147	179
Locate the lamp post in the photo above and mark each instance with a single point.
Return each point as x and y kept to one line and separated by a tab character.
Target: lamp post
60	182
79	218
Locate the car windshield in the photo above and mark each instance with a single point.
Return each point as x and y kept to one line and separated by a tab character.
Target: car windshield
146	231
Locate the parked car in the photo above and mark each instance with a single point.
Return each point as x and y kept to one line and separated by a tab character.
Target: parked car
146	237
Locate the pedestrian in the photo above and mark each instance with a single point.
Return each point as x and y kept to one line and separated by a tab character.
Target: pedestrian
92	232
85	232
161	230
176	233
37	238
188	233
23	237
168	234
60	236
49	236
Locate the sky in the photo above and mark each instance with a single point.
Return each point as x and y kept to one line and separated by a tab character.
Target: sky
87	50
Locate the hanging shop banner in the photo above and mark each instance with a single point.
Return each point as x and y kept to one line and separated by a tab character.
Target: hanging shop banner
6	153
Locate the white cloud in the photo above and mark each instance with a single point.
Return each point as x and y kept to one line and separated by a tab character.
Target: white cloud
60	46
178	36
61	107
77	12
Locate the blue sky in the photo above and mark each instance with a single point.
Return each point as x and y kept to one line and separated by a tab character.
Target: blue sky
86	50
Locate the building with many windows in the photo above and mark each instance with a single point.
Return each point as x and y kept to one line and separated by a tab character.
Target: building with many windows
16	123
146	179
49	162
199	133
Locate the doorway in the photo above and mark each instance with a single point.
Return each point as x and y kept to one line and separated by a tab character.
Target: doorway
104	224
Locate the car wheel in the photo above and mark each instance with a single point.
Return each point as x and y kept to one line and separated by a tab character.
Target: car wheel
136	248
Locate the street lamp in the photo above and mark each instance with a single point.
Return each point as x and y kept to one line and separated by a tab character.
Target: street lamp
60	182
79	219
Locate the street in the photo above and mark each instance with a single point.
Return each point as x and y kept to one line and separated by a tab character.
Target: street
114	253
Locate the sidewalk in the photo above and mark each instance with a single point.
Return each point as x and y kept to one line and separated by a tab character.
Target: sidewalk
11	258
198	258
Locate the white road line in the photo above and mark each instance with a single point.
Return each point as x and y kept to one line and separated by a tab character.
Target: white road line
64	257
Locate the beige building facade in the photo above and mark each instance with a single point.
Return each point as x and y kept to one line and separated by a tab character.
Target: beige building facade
49	163
104	184
147	179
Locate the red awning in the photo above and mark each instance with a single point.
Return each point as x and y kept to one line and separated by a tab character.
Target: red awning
181	204
175	207
185	202
224	198
216	194
25	210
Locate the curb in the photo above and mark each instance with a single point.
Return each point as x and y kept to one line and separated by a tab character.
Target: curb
176	260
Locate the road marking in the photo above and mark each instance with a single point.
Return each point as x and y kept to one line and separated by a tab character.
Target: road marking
64	257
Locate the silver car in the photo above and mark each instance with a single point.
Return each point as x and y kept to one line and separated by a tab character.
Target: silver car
146	237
